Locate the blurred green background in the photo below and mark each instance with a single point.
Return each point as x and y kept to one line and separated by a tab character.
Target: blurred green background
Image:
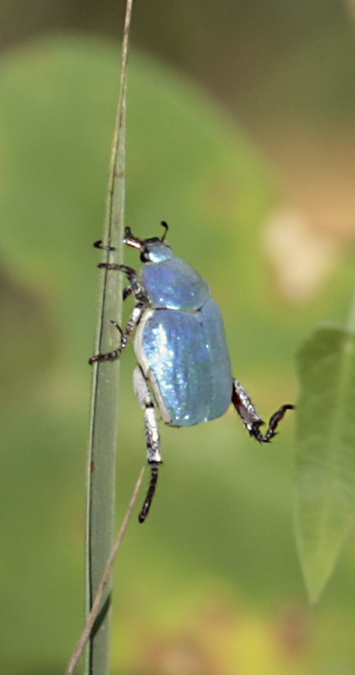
241	135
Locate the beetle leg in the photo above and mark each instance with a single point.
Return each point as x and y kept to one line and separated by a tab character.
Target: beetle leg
250	416
101	245
126	292
145	399
125	335
136	285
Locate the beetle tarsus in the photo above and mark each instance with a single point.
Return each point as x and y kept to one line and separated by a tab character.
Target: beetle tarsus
250	417
275	419
154	467
109	356
125	336
114	354
101	245
115	266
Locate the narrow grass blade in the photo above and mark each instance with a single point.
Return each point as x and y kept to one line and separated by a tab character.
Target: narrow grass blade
325	438
104	405
85	636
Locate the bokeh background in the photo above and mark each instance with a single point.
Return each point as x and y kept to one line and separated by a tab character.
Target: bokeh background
241	135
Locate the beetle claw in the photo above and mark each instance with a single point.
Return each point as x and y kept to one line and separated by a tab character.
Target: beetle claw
100	244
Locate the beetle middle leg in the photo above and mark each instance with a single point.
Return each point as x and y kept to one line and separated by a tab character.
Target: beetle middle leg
126	292
137	289
145	399
125	335
250	417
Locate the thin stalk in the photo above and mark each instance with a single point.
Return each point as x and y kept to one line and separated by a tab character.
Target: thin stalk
104	403
351	316
85	636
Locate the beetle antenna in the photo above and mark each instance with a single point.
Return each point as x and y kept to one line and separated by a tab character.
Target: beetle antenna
150	494
166	226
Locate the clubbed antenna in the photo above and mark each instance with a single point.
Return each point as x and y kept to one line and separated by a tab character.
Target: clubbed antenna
166	226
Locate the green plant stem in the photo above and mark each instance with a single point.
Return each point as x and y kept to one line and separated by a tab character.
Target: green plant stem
104	404
85	636
351	316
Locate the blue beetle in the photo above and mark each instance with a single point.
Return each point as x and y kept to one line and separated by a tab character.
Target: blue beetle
183	359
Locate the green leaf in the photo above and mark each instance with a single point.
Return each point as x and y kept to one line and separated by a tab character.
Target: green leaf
325	437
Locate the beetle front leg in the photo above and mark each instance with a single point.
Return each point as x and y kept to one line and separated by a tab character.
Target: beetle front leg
145	399
250	416
134	282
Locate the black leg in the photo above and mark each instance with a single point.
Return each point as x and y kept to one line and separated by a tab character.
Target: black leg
135	287
145	399
125	336
151	491
250	417
101	245
126	292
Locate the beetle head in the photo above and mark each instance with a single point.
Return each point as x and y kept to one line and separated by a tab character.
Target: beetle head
152	250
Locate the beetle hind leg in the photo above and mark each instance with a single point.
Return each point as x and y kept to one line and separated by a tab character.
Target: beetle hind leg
150	493
145	399
250	417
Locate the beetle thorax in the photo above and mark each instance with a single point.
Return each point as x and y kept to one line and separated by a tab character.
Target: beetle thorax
156	251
